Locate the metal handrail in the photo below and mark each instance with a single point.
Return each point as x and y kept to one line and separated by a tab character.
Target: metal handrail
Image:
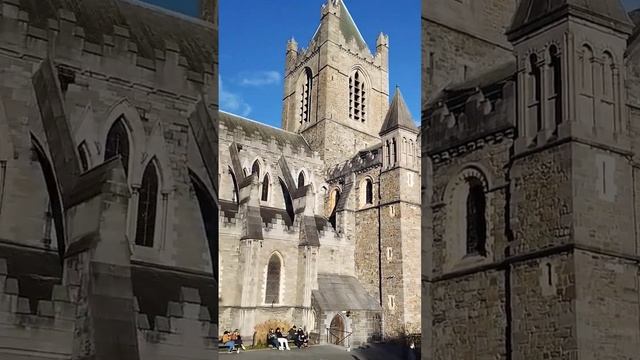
330	332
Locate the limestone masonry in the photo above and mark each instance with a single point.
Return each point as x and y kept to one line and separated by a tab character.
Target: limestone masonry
108	181
531	140
319	222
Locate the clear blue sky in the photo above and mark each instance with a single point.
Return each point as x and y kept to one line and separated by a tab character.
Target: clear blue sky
253	36
253	39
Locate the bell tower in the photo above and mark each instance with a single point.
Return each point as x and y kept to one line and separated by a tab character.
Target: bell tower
572	232
336	90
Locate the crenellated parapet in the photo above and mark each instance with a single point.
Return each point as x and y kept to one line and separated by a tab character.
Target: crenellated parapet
187	326
464	119
45	326
176	59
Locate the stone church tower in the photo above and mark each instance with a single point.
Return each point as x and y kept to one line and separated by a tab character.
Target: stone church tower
530	194
336	91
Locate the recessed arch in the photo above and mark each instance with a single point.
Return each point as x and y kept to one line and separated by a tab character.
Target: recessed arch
235	194
124	111
334	198
255	168
118	143
265	187
305	97
209	212
301	180
55	198
288	201
359	86
148	205
273	281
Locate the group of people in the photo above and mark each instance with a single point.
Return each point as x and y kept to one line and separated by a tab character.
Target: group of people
278	340
233	340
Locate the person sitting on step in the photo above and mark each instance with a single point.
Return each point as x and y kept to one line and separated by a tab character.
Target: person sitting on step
235	336
272	339
228	342
282	341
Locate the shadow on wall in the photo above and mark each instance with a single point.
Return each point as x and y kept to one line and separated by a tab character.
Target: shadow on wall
391	349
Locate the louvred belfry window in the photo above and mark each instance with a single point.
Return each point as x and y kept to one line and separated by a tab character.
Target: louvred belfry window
305	102
357	97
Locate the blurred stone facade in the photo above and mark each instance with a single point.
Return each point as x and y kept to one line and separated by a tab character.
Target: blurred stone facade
530	146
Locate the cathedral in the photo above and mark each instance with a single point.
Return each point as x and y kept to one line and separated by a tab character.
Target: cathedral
531	142
108	181
319	220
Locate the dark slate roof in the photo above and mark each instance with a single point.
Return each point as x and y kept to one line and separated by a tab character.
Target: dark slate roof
532	14
341	292
265	132
490	82
155	288
348	27
149	26
365	158
398	116
635	18
37	272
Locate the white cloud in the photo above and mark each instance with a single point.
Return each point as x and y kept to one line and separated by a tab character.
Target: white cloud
259	78
232	102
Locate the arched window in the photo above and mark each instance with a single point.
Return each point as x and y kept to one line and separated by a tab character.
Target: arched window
394	151
84	156
555	99
234	183
305	102
272	293
288	202
118	144
265	188
301	180
368	192
147	204
476	218
535	94
333	202
608	113
388	153
209	213
586	100
255	169
357	97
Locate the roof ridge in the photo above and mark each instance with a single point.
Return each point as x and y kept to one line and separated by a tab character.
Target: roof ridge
176	14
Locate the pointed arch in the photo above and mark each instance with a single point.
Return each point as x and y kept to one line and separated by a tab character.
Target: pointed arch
273	279
55	198
84	156
288	201
235	194
306	94
117	143
255	168
301	179
124	111
209	213
334	198
358	94
147	205
555	72
265	188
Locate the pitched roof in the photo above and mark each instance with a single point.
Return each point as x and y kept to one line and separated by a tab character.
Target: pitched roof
398	115
532	14
349	28
149	26
341	292
263	131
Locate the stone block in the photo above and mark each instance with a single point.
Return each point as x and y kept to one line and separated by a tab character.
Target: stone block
143	322
189	295
3	267
174	309
46	308
204	314
60	293
163	324
11	286
23	306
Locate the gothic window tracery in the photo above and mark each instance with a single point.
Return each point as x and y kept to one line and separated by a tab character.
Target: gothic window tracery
147	205
118	144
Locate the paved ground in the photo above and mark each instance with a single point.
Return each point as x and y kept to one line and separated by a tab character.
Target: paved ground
322	352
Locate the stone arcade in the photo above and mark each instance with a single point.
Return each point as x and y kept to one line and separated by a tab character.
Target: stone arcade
108	181
531	173
319	221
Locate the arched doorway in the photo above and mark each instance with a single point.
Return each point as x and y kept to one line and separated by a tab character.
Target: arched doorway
336	330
